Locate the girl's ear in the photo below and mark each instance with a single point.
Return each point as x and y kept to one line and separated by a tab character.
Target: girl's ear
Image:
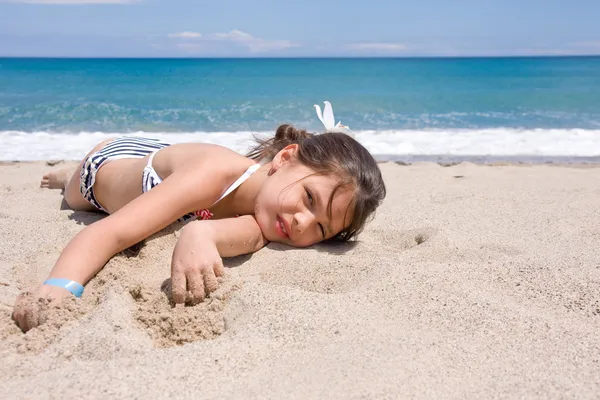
285	155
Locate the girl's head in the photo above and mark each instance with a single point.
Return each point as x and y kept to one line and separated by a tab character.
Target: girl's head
320	187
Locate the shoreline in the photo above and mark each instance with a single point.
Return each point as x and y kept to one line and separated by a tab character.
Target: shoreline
441	159
445	160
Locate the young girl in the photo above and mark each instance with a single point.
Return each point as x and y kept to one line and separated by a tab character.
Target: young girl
296	188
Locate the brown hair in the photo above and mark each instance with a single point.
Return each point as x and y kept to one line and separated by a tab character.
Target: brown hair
333	153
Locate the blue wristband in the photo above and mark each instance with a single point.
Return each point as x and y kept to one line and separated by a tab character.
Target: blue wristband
70	285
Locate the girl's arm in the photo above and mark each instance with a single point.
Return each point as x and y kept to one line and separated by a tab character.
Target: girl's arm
197	262
182	192
231	236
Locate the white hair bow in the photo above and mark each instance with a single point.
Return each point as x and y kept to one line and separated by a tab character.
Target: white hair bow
328	120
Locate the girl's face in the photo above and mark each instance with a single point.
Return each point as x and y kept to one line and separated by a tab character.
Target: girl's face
291	206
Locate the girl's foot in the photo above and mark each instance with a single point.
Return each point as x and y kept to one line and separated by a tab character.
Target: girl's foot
57	179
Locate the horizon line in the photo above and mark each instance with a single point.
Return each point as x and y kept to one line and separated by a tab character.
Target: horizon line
301	57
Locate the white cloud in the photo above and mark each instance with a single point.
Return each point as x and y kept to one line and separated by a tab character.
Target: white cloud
186	35
236	36
391	47
254	44
67	2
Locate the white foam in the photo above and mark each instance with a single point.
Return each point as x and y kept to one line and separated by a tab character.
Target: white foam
486	142
23	146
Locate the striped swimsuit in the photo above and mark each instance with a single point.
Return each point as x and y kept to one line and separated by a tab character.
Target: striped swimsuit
139	147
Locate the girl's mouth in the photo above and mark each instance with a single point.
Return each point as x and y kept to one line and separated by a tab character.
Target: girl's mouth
281	228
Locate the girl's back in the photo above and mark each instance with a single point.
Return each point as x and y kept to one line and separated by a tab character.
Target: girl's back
119	181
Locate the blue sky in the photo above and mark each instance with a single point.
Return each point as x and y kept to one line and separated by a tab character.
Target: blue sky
276	28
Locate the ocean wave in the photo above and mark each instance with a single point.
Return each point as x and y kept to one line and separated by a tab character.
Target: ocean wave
30	146
181	115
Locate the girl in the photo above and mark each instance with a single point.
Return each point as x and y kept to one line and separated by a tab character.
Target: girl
296	188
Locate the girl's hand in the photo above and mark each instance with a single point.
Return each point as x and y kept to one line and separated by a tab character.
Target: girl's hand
28	310
195	265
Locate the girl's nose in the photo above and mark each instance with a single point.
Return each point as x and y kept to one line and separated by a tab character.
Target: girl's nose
303	220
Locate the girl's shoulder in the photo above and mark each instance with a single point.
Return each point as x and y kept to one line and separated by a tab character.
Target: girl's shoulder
201	157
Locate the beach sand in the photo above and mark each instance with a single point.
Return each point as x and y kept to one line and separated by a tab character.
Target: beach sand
471	282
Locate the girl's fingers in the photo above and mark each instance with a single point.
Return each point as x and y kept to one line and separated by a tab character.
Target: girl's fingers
30	318
19	313
18	317
195	285
178	286
210	282
218	268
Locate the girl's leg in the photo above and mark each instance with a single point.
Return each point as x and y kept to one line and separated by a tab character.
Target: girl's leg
67	179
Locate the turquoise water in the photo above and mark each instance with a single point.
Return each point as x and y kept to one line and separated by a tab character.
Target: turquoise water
234	96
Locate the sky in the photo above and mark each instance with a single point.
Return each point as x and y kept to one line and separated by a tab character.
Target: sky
303	28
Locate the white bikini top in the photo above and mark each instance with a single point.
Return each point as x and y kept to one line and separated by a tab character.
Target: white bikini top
151	179
156	179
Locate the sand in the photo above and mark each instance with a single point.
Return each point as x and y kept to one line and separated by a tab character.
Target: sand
471	282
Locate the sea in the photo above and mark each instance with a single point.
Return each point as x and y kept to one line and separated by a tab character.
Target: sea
527	109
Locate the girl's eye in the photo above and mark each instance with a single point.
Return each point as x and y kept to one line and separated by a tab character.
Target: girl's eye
322	230
310	198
